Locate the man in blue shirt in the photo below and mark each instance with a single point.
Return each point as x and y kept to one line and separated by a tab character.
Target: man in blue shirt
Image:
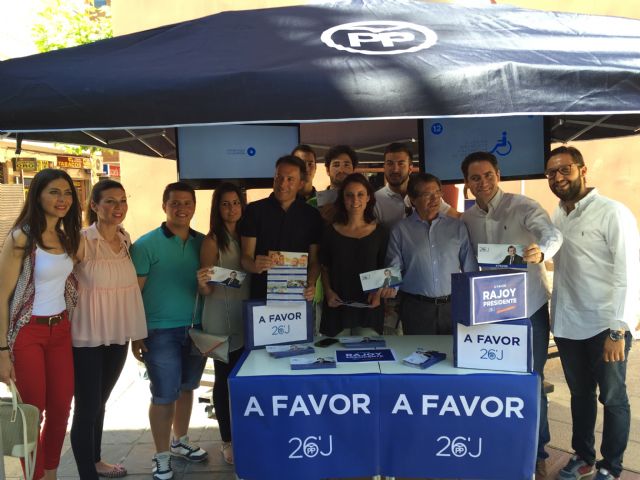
428	247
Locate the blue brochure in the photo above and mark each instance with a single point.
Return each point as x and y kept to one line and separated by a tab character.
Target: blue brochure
281	351
358	356
423	359
312	363
362	342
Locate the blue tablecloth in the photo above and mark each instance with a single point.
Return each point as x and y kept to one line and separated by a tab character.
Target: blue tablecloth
382	418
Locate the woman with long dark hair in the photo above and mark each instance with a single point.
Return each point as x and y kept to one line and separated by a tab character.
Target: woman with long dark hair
109	314
353	244
222	314
38	293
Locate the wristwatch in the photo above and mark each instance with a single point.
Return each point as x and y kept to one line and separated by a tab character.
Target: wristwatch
616	335
5	349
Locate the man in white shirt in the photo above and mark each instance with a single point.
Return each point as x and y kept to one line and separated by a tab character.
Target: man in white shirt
392	202
507	218
594	306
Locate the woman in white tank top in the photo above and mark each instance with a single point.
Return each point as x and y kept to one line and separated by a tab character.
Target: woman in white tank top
37	295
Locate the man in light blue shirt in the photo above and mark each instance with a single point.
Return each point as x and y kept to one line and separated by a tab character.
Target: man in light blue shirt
428	247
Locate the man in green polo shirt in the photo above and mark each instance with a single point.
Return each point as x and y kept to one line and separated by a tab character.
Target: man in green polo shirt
166	261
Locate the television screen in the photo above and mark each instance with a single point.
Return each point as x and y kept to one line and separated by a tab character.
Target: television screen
520	144
210	154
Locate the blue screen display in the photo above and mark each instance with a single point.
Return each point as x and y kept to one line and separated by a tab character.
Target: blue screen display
518	143
233	151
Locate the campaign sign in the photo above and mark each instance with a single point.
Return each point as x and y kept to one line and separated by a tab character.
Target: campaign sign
385	277
285	322
501	255
494	346
305	427
452	426
362	355
226	276
488	296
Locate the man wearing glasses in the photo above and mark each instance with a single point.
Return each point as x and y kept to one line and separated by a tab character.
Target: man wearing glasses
507	218
595	290
428	247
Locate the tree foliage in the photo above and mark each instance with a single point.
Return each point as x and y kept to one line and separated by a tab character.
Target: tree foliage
67	23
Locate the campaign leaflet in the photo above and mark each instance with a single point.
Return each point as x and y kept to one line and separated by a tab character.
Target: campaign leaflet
385	277
354	304
501	255
281	351
312	363
423	358
362	342
287	278
226	277
361	356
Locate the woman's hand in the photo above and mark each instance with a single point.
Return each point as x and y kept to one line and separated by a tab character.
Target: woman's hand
374	298
138	348
333	300
204	275
6	368
389	292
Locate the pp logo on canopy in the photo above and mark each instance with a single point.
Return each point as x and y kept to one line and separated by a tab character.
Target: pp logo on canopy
379	38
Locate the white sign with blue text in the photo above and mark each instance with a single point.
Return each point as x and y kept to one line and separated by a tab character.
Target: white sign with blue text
494	346
282	323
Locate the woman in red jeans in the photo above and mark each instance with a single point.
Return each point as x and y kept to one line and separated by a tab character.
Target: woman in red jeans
37	295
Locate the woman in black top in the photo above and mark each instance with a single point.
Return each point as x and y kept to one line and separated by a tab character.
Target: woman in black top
355	243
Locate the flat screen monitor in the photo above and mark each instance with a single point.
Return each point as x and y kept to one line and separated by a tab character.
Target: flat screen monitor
245	154
520	143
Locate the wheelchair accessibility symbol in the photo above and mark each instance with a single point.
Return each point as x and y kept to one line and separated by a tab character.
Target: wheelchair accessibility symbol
502	146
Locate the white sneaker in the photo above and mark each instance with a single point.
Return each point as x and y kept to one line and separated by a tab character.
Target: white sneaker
182	448
161	466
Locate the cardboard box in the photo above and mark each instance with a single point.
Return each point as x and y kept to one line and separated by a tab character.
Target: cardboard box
488	296
505	346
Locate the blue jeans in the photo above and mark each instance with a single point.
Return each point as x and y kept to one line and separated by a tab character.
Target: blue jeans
171	364
584	369
540	331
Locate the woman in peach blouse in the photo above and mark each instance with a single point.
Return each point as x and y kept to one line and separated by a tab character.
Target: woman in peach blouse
109	314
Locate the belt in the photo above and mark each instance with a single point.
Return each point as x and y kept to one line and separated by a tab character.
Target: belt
434	300
49	320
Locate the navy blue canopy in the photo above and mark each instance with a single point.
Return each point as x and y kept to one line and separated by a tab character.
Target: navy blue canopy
371	59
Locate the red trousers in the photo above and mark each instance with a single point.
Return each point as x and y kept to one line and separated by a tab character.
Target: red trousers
43	363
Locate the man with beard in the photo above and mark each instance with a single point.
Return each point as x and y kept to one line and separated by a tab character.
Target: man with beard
392	203
595	290
340	161
507	218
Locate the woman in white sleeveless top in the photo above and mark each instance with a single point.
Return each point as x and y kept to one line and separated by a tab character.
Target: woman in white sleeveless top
37	297
222	314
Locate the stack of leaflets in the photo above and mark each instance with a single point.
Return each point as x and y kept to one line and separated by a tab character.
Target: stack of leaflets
287	278
363	342
281	351
311	363
423	359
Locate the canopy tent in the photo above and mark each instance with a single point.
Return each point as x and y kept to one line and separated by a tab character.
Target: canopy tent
353	60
